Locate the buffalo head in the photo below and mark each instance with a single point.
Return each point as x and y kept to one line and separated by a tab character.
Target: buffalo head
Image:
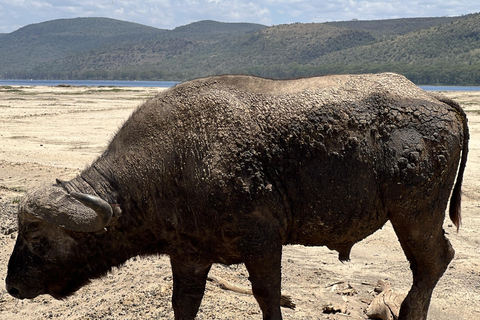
55	230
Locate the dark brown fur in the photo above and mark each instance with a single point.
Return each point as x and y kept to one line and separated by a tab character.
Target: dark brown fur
228	169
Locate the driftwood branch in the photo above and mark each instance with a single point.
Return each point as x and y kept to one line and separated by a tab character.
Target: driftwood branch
386	305
285	301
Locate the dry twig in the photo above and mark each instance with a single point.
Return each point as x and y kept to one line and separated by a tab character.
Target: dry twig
285	300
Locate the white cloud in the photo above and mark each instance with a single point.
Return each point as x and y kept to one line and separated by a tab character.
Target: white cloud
329	10
222	10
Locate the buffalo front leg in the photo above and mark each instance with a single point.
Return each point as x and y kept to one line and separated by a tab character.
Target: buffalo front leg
188	288
429	254
265	276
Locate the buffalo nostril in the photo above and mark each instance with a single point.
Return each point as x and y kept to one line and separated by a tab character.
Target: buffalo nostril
13	291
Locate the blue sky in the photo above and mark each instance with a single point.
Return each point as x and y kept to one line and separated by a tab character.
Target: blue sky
168	14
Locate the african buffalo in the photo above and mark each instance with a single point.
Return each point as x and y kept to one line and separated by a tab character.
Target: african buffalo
227	169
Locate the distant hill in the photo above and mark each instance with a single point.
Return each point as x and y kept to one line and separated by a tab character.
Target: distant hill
273	46
208	29
456	41
394	27
445	53
442	50
83	47
144	59
25	48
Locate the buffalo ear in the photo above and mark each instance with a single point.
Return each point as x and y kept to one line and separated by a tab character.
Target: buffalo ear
76	212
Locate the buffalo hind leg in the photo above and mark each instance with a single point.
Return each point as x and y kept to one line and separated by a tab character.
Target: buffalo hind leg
188	288
265	276
429	254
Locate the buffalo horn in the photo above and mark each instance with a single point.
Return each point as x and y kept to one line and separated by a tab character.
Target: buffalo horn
100	206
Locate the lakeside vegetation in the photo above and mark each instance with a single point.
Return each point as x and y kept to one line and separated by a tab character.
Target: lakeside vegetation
435	51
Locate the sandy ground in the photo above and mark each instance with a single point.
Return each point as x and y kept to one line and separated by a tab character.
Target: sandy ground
54	132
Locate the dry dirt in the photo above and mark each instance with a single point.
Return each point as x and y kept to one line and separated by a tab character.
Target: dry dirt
54	132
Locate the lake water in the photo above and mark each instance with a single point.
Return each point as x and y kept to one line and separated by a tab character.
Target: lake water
162	84
449	88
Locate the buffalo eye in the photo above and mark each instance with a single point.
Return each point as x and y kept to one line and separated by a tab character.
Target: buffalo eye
75	234
32	232
34	236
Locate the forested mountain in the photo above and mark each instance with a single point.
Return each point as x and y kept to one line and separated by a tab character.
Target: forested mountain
29	46
213	30
445	53
394	27
442	50
104	48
